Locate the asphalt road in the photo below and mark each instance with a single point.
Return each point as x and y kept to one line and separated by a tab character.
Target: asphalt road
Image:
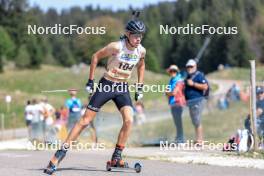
28	163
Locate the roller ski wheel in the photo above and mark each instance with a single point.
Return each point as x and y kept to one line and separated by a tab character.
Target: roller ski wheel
137	167
112	165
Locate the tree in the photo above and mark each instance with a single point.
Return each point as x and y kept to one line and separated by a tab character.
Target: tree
23	59
152	62
35	52
61	51
6	46
162	50
85	45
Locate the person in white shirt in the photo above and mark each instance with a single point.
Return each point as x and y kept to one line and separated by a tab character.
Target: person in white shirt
48	122
37	125
28	113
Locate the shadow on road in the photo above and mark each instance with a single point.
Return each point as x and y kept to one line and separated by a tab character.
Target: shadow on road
91	169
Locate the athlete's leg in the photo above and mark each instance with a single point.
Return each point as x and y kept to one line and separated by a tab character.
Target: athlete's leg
124	104
97	101
74	134
127	116
124	133
93	132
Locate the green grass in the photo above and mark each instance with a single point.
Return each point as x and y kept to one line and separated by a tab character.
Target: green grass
238	74
218	126
258	154
50	77
28	84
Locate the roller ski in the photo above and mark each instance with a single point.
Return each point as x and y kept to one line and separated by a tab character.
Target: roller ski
121	165
118	164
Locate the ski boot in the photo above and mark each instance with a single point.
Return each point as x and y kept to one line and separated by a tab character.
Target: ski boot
51	168
59	155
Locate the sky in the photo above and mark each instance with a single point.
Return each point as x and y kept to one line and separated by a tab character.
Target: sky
113	4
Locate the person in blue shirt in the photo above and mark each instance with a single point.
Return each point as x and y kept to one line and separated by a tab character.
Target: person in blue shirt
260	116
195	87
260	113
176	99
74	107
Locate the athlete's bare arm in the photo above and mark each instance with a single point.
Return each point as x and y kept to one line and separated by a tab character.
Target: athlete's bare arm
141	67
105	52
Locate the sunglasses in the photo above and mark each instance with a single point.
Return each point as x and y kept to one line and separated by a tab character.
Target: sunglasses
136	35
173	71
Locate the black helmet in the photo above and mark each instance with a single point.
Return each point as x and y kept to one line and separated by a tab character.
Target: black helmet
136	27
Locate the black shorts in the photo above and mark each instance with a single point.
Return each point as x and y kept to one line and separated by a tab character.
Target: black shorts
28	122
108	90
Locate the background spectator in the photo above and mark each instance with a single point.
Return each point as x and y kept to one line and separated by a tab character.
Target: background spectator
74	107
28	117
195	87
260	112
48	114
176	100
37	122
139	115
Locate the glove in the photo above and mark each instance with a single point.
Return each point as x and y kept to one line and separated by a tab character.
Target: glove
90	86
139	91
